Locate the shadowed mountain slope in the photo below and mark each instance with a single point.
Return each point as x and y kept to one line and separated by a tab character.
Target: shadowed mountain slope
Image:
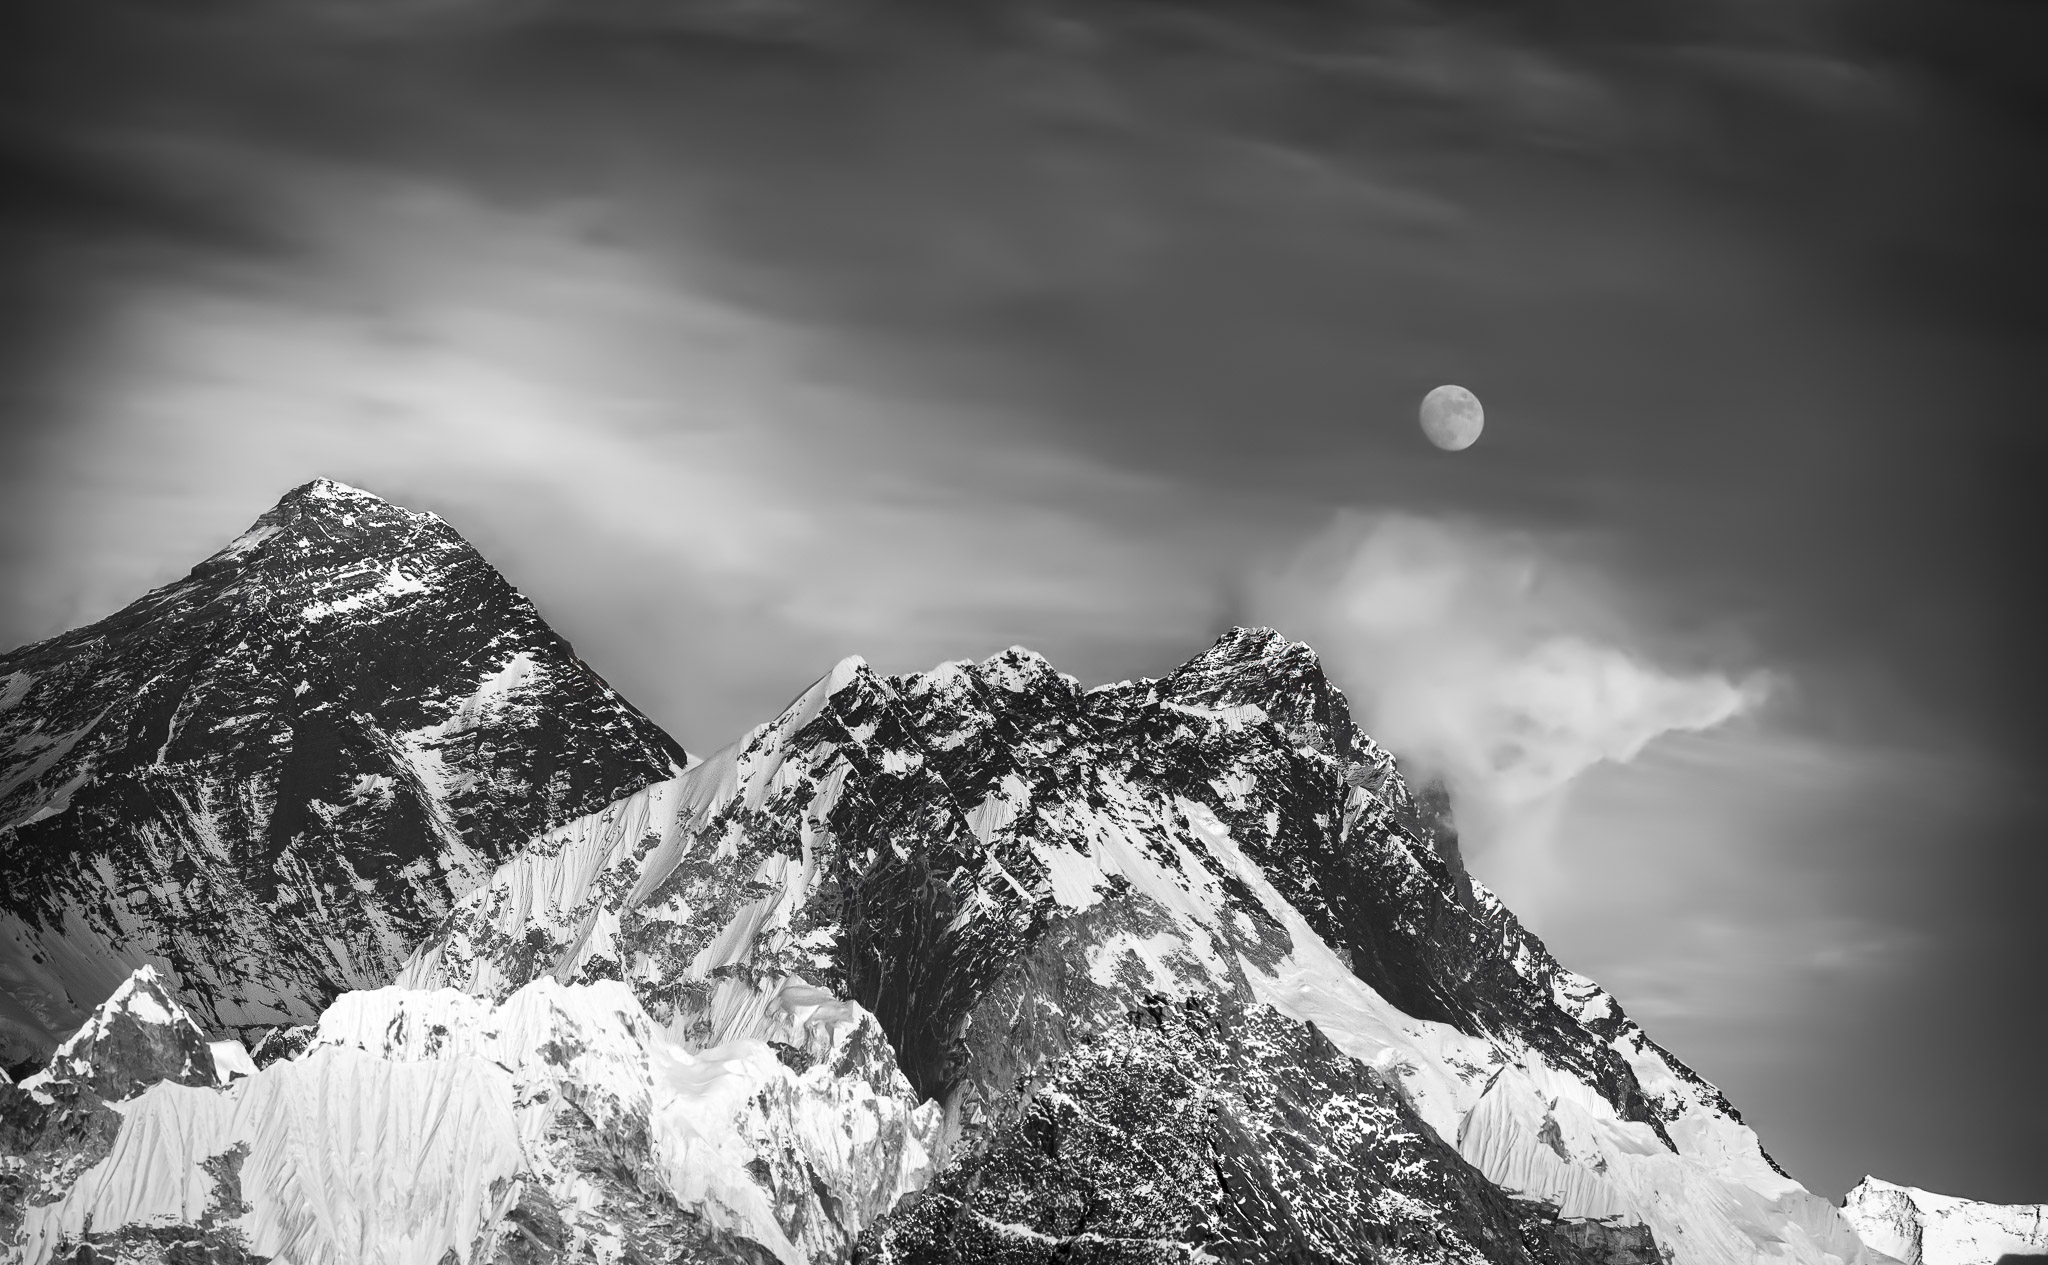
271	777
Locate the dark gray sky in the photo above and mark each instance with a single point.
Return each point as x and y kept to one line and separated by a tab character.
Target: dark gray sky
745	334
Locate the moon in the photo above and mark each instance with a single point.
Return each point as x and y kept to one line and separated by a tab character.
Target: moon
1452	418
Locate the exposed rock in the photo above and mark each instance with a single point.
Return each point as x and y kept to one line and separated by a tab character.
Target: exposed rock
1232	1134
272	777
273	1044
140	1035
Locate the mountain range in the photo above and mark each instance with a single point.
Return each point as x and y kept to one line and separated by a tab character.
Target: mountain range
350	917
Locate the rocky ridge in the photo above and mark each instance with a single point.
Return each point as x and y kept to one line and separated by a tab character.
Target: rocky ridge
268	779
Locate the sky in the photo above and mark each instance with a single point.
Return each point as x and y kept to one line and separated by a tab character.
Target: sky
743	335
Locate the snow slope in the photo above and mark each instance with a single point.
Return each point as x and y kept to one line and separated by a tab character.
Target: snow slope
423	1124
1919	1227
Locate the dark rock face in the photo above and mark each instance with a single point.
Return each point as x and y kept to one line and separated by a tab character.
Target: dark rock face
281	1043
46	1141
274	775
1228	1133
1393	899
137	1037
1604	1244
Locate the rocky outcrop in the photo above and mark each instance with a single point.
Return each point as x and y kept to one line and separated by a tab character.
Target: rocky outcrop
1229	1133
270	778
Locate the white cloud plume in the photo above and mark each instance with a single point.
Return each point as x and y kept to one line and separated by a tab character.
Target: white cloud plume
1487	659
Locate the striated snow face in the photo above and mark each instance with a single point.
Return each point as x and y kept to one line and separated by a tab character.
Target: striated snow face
420	1124
340	1157
1918	1227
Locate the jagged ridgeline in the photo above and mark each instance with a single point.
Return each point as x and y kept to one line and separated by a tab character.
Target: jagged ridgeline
968	965
1181	962
273	776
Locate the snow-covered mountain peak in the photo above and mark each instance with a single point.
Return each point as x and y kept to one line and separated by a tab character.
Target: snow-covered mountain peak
138	1036
326	489
279	770
1018	669
1260	668
562	1123
1919	1227
324	519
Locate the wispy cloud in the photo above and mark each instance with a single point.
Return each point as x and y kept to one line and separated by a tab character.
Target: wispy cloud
541	386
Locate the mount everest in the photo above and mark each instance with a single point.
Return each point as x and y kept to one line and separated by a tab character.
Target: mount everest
269	779
973	964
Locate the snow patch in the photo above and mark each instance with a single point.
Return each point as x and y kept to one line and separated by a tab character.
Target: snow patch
14	687
231	1059
394	584
248	541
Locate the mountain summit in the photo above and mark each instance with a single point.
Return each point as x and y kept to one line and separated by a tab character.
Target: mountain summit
1919	1227
271	777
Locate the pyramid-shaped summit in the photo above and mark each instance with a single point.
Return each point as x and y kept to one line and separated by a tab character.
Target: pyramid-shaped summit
278	772
138	1036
